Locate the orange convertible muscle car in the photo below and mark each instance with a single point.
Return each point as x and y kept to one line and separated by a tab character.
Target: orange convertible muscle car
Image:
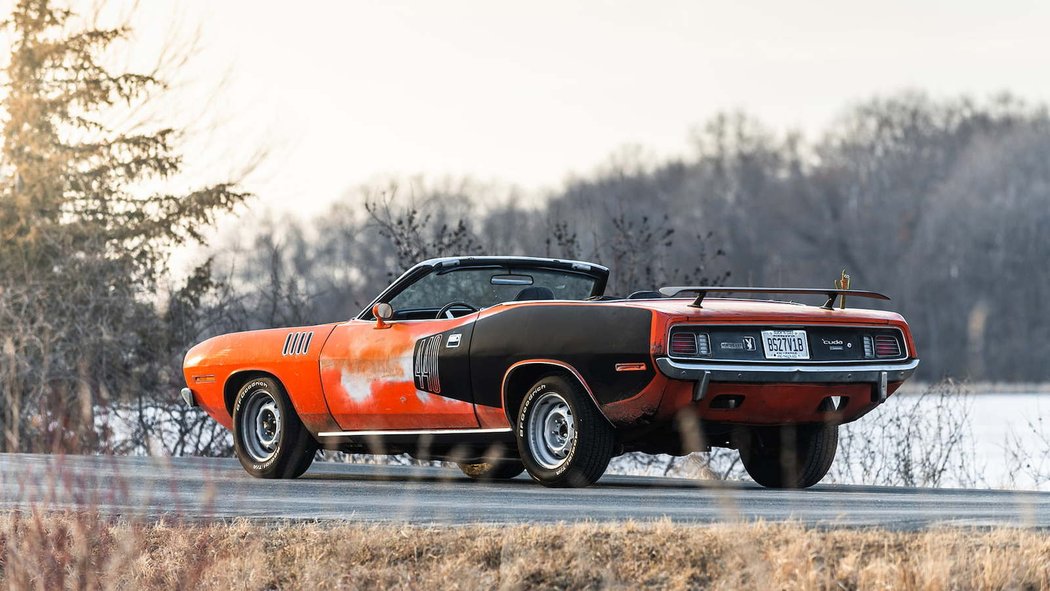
507	364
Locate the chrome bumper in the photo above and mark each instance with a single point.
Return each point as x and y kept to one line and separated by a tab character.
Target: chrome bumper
876	374
187	396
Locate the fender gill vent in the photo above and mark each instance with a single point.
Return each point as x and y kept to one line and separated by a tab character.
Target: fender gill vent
297	343
425	364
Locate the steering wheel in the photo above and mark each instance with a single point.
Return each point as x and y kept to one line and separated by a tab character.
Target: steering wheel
446	310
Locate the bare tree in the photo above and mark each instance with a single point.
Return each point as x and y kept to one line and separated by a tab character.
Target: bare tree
420	229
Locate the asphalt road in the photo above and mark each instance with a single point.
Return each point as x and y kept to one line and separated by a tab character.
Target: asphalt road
216	489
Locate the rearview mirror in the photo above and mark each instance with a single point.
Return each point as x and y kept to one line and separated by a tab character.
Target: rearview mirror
382	311
511	280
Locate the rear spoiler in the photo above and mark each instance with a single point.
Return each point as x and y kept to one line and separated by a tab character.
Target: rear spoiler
831	294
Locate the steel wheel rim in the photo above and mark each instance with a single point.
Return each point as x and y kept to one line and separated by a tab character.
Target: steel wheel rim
261	425
551	430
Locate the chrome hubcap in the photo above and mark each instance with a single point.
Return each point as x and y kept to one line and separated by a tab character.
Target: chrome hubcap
551	430
260	425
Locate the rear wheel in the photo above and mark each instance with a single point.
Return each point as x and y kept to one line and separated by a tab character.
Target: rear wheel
503	469
562	438
268	437
794	456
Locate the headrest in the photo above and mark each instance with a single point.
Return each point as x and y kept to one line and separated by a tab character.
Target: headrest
534	293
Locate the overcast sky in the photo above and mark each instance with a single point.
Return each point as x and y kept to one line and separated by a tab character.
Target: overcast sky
526	93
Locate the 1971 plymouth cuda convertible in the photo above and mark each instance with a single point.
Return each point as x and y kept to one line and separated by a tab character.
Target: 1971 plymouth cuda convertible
506	364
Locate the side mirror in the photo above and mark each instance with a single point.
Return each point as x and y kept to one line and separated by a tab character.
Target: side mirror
382	312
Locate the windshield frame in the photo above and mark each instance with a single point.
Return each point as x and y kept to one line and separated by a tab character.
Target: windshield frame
599	273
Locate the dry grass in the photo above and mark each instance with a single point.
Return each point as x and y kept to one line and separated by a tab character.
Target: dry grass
84	551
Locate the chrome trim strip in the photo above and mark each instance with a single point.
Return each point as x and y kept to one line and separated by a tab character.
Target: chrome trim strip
413	432
724	372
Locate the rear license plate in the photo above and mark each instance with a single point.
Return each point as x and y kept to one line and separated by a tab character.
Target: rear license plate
785	344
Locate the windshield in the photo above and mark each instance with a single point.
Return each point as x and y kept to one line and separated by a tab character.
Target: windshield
484	287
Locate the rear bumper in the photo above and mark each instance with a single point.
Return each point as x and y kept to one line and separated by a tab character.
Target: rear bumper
878	375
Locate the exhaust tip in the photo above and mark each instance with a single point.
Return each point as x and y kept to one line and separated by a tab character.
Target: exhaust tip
833	403
727	401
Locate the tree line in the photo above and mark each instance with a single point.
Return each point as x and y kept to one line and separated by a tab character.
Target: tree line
942	204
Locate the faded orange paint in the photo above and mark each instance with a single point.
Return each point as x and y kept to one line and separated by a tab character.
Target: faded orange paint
640	406
490	417
228	356
368	382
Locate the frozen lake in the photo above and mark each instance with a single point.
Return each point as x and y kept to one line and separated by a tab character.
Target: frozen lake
944	438
1001	424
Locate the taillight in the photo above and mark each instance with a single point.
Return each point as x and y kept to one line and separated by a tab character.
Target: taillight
869	347
684	344
887	346
689	344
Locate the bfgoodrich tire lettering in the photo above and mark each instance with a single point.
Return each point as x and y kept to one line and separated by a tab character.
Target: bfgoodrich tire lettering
562	438
269	439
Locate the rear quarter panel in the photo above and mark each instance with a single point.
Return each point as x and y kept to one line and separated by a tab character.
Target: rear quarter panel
592	338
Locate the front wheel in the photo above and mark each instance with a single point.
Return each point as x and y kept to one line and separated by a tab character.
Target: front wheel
562	438
796	456
268	437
